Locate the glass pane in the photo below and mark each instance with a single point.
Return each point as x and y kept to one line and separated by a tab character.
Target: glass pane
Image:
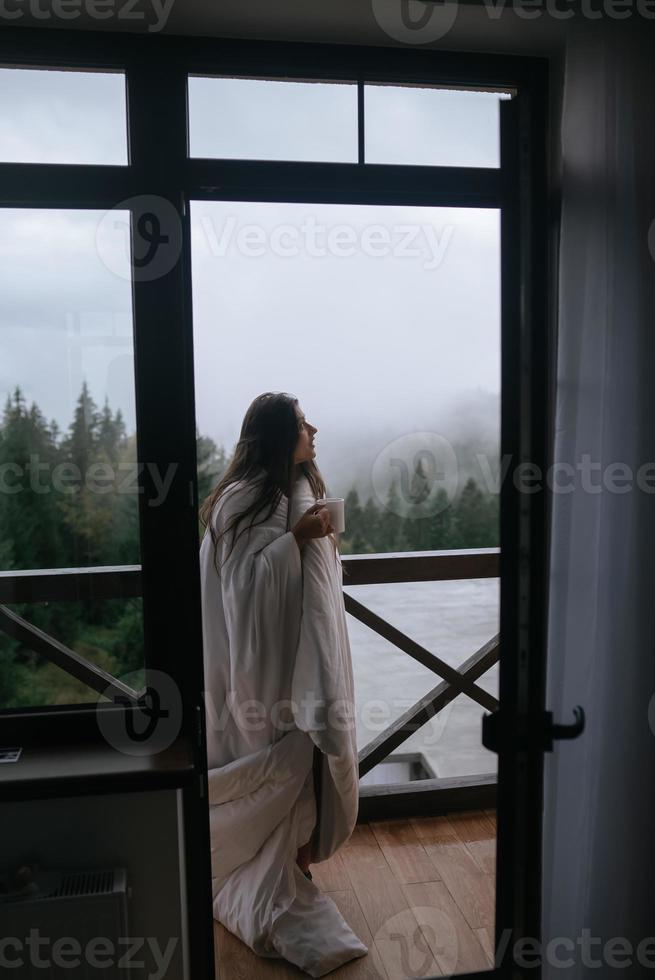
384	322
68	459
49	116
256	119
107	633
431	127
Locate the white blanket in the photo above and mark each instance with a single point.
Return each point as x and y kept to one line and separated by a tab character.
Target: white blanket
278	680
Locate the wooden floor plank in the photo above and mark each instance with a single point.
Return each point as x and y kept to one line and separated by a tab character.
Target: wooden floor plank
378	892
492	818
486	938
434	830
369	967
472	889
484	854
404	949
471	825
403	851
362	834
331	875
456	947
394	928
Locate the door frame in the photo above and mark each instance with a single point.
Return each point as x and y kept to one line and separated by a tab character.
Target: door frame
156	68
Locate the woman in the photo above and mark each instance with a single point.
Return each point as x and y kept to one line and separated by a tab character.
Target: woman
278	693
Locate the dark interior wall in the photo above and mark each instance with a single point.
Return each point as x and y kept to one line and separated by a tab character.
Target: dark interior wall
137	831
485	25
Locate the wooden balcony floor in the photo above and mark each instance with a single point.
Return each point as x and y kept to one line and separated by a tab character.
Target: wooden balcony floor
420	893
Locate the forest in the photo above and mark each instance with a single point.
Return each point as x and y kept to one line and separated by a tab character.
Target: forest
61	507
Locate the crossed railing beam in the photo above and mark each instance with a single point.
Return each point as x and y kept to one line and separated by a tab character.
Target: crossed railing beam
463	684
58	653
437	566
428	706
68	584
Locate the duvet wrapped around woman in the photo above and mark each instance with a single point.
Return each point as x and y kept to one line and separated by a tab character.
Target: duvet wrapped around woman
279	698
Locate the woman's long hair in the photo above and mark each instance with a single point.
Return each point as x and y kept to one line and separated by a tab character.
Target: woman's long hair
268	439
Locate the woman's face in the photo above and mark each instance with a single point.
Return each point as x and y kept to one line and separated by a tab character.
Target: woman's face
306	432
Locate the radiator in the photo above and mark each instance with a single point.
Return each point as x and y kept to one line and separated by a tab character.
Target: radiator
81	906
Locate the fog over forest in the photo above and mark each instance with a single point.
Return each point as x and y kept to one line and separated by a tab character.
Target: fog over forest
470	424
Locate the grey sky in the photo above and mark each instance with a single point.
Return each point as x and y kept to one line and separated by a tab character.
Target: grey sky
250	118
62	116
363	339
381	320
65	317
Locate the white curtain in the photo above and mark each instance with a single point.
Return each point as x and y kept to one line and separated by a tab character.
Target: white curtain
599	814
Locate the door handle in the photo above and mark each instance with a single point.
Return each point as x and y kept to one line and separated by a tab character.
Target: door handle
563	731
496	733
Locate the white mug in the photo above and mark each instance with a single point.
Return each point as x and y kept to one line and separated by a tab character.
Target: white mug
336	507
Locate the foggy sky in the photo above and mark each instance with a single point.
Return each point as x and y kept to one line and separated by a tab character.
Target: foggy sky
373	345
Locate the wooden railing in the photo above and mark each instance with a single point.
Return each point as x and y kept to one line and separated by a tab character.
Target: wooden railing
125	582
422	567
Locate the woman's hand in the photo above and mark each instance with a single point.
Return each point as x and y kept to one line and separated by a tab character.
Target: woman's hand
314	523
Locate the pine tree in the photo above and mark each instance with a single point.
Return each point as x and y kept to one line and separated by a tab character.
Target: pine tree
128	550
87	501
121	434
211	464
493	520
354	523
441	523
359	545
472	517
30	532
419	488
416	530
109	435
417	520
29	524
392	537
81	444
370	523
41	526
